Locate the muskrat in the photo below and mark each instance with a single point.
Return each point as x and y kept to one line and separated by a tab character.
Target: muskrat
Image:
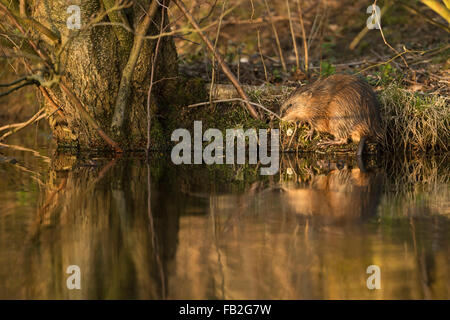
342	105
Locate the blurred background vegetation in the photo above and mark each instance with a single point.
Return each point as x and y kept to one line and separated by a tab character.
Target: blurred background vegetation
412	30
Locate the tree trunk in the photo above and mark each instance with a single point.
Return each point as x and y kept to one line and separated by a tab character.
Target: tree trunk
92	64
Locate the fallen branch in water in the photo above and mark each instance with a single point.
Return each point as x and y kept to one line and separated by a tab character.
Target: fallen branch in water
19	126
20	148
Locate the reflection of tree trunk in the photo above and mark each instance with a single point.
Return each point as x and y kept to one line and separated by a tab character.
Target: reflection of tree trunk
93	63
97	218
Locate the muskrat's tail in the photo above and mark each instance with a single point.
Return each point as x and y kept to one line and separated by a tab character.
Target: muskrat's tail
362	141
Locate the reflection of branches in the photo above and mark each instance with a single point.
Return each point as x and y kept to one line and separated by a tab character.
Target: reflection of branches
421	262
33	174
153	232
19	148
74	199
41	214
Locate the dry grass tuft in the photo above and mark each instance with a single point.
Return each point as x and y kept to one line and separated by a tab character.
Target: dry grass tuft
414	122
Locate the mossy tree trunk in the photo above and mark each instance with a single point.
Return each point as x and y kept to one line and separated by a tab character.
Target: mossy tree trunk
92	63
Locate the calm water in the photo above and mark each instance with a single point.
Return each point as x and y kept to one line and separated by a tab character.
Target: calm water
222	232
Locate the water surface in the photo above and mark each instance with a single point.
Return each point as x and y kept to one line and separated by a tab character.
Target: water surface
222	232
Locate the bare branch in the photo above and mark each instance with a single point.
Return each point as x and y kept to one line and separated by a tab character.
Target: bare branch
219	59
161	28
277	39
2	85
38	116
26	83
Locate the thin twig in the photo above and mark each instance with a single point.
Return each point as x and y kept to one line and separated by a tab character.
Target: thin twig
213	61
305	41
294	42
27	83
382	34
277	39
365	30
390	60
3	85
161	28
220	60
262	57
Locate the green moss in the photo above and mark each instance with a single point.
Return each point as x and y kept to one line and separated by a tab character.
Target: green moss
327	69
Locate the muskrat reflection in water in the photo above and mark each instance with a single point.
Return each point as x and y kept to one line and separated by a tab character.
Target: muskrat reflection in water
340	194
342	105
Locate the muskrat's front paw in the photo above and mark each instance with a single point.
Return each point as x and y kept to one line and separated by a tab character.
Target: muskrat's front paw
309	135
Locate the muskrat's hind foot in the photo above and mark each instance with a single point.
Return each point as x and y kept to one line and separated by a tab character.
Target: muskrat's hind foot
333	142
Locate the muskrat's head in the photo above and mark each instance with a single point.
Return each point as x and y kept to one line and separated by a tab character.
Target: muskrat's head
295	107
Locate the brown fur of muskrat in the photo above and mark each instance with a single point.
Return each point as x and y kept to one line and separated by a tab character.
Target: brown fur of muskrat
342	105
